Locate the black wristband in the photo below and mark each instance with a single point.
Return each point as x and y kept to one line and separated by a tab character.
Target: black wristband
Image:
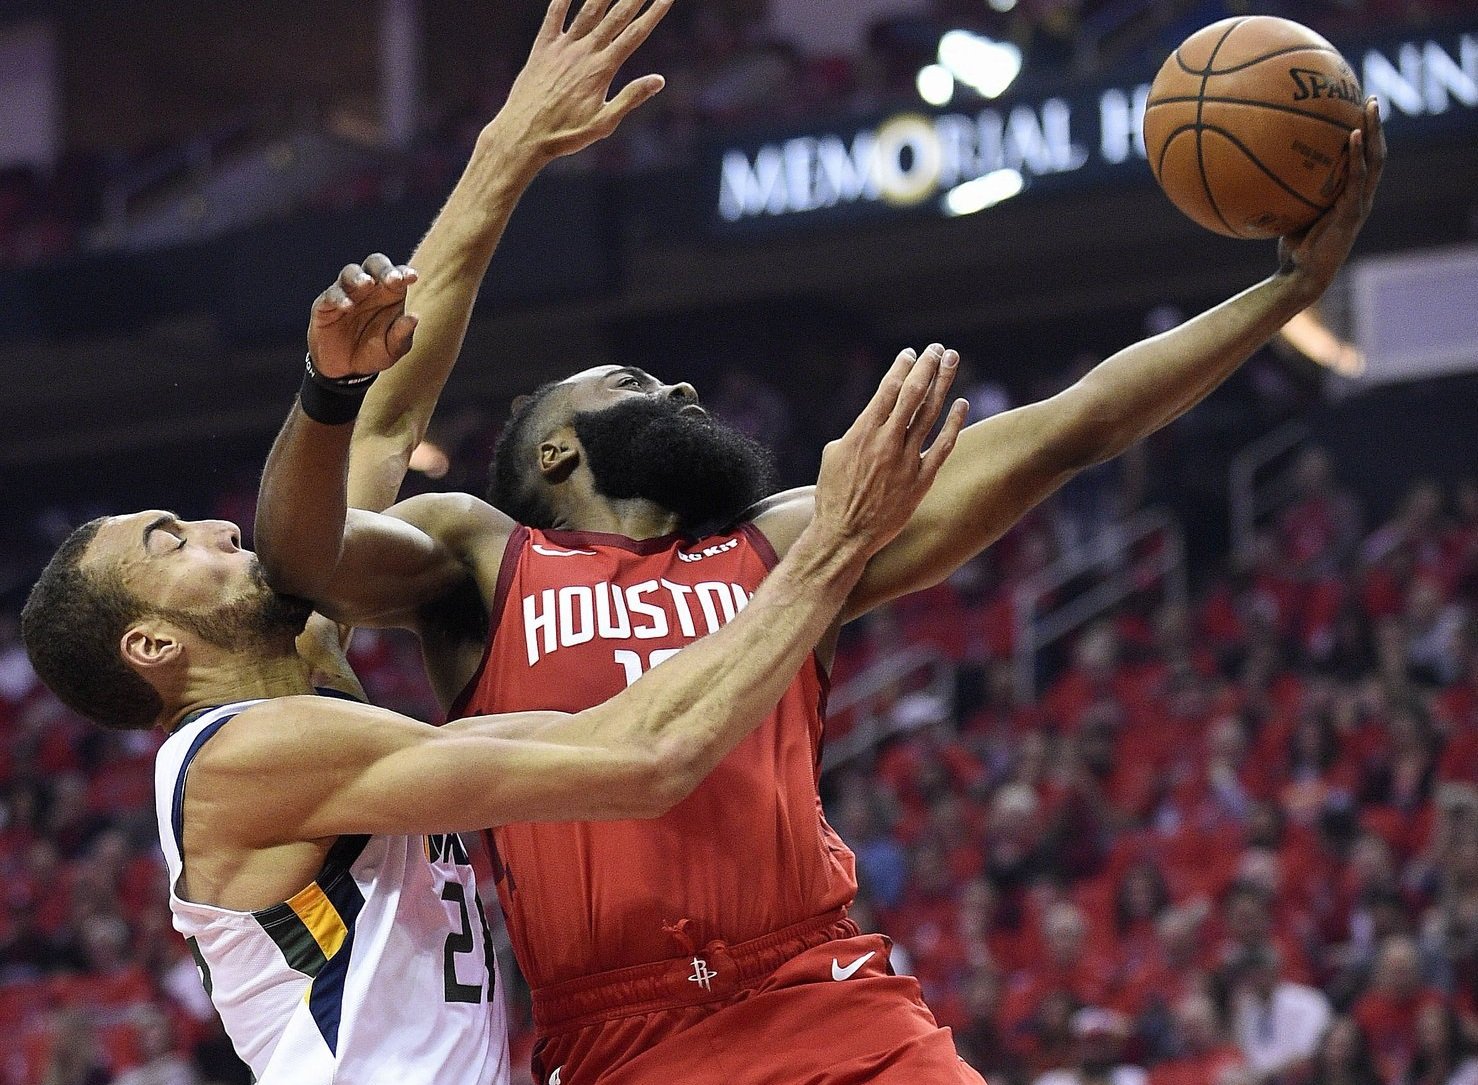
331	401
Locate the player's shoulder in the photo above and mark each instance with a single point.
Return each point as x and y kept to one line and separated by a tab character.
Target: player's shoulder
453	515
782	517
263	734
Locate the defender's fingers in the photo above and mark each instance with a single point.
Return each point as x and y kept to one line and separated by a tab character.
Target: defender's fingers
588	17
615	21
916	388
632	38
880	406
933	405
944	444
634	95
554	20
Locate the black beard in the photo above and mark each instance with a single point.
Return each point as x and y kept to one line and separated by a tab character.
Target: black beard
692	465
262	621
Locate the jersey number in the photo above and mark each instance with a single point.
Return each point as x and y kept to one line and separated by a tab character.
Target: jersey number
460	942
631	661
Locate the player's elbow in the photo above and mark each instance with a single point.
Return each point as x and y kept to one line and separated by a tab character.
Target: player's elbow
668	775
1089	431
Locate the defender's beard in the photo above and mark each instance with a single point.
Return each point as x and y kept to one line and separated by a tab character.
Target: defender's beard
259	621
704	471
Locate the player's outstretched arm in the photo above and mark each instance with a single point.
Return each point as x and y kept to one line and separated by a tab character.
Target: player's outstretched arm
558	106
354	768
1008	463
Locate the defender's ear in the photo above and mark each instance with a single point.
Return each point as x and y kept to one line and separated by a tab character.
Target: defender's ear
149	646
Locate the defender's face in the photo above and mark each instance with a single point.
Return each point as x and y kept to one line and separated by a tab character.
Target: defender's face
173	564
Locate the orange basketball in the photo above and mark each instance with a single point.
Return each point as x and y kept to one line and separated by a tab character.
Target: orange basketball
1248	126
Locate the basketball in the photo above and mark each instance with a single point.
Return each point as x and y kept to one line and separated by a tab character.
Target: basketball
1247	126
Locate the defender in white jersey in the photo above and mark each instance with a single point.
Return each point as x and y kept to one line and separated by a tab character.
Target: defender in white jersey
310	839
339	982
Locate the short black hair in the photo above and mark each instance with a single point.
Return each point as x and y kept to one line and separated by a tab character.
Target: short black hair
510	479
71	625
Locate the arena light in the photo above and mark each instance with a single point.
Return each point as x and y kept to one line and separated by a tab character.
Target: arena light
983	192
1002	6
936	84
986	66
430	460
1312	338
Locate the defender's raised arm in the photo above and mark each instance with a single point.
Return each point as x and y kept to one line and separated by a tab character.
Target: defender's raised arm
558	106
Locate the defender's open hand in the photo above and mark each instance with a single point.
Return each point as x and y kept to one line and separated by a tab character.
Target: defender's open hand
873	478
558	102
359	325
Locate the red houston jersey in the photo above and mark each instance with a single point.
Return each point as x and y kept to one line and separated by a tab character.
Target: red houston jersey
578	616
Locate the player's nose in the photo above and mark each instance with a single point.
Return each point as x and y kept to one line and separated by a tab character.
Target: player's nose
221	533
682	390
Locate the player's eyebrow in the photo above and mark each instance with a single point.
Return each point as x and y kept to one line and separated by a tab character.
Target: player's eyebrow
156	523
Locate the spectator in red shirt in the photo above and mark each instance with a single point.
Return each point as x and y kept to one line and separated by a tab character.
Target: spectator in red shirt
1320	528
1388	1011
1085	972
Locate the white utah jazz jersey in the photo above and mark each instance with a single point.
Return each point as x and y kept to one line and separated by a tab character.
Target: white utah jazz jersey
379	971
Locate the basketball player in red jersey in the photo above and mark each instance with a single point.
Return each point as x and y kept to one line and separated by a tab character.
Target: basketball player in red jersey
710	945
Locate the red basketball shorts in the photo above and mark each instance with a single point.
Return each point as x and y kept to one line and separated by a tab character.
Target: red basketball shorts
830	1013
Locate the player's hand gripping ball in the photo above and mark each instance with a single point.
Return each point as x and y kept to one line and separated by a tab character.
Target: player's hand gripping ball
1248	126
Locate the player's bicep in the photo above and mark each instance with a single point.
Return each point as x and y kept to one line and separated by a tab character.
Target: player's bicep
387	568
783	517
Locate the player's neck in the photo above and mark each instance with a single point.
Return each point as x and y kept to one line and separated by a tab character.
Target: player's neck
636	518
240	677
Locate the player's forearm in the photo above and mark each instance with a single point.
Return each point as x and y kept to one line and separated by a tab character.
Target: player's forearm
1144	387
452	261
301	505
692	710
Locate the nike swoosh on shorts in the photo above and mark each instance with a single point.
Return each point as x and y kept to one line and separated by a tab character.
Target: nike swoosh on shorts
839	973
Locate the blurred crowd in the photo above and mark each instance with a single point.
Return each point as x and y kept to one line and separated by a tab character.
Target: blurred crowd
727	68
1230	843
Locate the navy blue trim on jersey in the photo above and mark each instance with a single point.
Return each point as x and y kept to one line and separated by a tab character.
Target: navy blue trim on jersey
326	998
177	810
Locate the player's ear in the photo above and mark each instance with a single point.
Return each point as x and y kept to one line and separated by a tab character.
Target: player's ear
559	455
151	645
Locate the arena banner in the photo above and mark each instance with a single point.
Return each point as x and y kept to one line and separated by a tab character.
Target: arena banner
923	161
